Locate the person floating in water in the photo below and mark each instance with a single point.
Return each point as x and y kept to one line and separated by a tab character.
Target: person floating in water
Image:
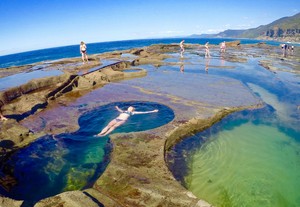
83	52
121	119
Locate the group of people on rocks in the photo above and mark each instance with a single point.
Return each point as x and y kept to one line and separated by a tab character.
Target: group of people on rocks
287	49
207	52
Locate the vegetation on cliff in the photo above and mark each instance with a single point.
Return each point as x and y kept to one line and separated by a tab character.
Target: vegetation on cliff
284	29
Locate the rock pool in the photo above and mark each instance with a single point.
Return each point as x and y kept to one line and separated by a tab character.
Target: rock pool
250	158
73	161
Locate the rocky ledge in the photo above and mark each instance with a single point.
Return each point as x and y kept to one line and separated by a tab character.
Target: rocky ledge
137	174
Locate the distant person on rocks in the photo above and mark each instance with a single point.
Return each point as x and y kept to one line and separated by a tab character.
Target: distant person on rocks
285	49
121	119
83	52
207	54
292	49
181	48
282	49
223	47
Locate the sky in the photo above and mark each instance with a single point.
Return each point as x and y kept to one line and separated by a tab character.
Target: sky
36	24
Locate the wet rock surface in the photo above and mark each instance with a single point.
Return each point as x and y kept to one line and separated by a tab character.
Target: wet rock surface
137	174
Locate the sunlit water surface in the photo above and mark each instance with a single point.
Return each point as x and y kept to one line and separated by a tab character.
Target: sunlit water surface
73	161
251	158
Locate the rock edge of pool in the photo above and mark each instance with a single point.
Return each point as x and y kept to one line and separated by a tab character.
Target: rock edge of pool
137	174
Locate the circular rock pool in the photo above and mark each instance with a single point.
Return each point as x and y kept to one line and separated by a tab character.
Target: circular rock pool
73	161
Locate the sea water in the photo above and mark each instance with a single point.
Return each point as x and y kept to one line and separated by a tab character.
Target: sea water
101	47
250	158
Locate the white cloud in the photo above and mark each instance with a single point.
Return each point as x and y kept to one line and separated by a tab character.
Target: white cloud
212	31
243	26
171	32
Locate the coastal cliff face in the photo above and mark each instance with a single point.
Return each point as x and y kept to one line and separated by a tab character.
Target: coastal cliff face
281	34
284	29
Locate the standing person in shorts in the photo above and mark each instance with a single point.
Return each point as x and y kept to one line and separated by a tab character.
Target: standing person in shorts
207	54
181	48
223	47
83	52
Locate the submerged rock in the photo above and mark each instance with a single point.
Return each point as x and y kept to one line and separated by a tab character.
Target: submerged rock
137	174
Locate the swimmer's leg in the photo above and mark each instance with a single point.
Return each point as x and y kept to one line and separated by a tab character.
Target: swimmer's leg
105	129
119	123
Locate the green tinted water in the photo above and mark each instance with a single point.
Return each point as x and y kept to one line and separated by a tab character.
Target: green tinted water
249	165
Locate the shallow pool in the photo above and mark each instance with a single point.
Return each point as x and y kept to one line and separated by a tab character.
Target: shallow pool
251	158
242	161
74	161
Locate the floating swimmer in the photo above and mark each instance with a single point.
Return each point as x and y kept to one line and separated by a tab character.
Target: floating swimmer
121	119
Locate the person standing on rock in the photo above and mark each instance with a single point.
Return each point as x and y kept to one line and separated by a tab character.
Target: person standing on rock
285	50
83	52
223	47
181	48
207	54
282	49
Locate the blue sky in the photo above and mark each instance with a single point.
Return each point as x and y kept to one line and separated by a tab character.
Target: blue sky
35	24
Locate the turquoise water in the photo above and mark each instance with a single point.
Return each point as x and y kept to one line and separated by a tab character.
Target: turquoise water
244	162
251	158
73	161
53	165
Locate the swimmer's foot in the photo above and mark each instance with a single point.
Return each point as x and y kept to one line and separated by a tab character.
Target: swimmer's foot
99	135
3	118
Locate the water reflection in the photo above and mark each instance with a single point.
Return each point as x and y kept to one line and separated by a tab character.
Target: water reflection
207	62
181	68
73	161
233	161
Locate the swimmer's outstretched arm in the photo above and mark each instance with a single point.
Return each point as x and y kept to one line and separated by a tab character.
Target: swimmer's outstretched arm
120	110
145	112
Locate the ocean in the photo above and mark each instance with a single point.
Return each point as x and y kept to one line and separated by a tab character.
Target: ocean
49	54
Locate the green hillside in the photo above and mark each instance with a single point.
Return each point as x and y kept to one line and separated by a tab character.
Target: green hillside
285	23
284	29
